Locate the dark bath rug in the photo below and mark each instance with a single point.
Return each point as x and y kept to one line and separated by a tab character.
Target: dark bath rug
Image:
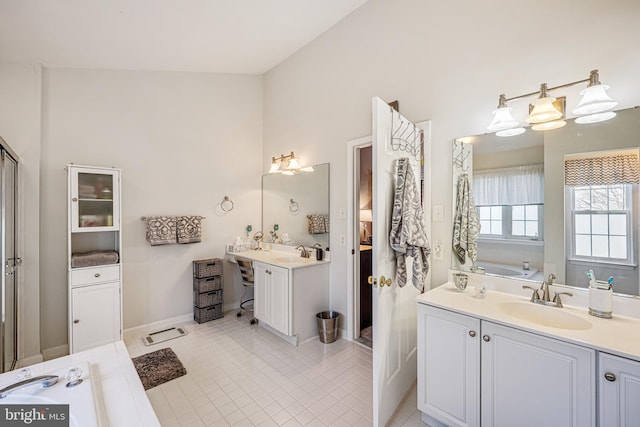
158	367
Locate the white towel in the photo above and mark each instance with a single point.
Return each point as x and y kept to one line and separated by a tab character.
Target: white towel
408	236
466	225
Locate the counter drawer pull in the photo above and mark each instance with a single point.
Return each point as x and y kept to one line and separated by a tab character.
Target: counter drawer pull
486	338
472	334
609	376
96	275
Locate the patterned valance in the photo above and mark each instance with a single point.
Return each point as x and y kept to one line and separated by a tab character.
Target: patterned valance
602	170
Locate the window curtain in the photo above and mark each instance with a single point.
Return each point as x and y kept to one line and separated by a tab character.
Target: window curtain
602	170
520	185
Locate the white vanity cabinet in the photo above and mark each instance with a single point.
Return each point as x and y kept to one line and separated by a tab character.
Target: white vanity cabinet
94	256
271	297
286	300
619	391
478	373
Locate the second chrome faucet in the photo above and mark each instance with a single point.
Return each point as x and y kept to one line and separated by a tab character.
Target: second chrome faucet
545	298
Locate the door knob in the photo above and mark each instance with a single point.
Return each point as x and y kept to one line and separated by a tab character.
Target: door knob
373	281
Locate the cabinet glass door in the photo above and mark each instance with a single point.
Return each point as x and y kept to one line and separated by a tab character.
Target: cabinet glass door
94	200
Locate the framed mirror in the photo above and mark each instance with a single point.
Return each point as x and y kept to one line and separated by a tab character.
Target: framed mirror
576	227
295	208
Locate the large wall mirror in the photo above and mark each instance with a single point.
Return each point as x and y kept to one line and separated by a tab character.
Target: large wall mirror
295	208
536	219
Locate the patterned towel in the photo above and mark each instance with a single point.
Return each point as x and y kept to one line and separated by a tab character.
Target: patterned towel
466	225
408	237
189	229
318	224
161	230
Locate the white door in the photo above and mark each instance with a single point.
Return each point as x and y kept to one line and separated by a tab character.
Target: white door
619	386
529	380
394	308
96	315
449	366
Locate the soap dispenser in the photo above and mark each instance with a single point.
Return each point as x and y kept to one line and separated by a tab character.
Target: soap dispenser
319	251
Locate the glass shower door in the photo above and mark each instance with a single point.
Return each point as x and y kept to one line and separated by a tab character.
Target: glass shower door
8	202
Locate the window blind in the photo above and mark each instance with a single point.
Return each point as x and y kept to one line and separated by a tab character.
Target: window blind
602	170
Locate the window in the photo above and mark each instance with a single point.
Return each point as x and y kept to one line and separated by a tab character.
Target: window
511	222
602	222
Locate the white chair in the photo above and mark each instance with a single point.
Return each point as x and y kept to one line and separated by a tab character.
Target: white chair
246	303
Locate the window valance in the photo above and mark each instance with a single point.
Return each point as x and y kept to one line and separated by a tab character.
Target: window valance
602	170
520	185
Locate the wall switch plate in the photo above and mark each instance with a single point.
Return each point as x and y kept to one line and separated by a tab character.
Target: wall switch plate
438	213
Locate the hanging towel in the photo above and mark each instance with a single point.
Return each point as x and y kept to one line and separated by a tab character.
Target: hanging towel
466	226
318	224
161	230
408	237
189	229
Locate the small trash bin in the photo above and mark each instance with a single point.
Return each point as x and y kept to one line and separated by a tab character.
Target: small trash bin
328	326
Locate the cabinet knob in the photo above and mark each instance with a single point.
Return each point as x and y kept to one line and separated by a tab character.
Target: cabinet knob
486	338
75	199
609	376
76	321
96	275
472	334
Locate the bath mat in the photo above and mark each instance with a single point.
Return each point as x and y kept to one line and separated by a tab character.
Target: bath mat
163	335
158	367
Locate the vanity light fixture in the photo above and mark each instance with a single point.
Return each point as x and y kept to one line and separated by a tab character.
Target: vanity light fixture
286	164
548	112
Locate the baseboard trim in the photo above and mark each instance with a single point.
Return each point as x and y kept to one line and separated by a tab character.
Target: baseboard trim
55	352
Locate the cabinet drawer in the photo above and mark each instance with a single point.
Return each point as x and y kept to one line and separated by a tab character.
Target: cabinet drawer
87	276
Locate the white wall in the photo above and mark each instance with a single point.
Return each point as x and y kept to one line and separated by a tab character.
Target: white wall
184	141
20	93
444	61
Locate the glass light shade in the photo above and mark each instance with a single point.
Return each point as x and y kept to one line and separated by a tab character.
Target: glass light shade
544	110
274	168
502	119
307	169
594	100
511	132
288	172
556	124
595	118
293	164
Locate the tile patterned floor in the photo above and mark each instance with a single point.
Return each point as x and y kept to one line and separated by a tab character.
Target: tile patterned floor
242	375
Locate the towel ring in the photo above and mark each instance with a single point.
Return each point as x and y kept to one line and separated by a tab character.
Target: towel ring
293	206
227	204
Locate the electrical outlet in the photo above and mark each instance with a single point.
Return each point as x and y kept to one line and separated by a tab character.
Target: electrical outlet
438	213
438	251
343	240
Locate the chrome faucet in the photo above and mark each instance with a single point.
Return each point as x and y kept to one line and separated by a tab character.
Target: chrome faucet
304	253
545	287
45	381
545	299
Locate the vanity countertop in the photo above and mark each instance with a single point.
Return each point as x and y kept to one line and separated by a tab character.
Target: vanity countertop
119	396
278	258
619	335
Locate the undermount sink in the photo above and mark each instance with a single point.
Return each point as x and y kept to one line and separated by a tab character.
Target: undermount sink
291	259
552	317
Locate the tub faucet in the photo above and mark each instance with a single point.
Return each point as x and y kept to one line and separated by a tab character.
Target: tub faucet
45	381
304	253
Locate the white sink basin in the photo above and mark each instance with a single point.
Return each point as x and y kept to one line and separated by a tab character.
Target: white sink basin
291	259
552	317
82	407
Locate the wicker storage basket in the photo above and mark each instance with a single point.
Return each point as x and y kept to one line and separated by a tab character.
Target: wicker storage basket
207	267
205	299
202	315
207	284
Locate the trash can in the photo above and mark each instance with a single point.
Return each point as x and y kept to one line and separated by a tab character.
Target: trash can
328	326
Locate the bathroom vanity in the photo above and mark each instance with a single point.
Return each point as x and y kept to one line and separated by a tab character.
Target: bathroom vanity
504	361
289	290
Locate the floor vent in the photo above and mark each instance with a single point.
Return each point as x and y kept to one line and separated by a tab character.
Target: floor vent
163	335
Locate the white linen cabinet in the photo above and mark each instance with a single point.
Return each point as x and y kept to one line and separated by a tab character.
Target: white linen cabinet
94	256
